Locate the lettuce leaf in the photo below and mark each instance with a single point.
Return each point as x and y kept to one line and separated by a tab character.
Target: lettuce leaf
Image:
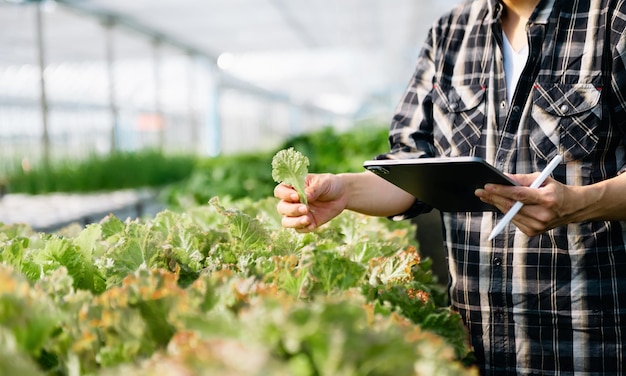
289	166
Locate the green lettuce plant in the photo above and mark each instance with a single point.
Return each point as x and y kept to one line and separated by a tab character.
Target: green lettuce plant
289	166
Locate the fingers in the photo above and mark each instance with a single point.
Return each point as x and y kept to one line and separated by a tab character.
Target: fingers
541	206
491	196
295	214
286	193
300	224
505	199
524	179
323	203
529	225
291	209
505	196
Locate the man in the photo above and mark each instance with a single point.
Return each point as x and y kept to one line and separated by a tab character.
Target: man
517	82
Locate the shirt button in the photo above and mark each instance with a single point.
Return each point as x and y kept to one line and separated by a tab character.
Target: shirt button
497	261
564	108
454	106
503	104
516	109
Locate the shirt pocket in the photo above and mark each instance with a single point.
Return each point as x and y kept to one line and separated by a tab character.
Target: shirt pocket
459	115
566	120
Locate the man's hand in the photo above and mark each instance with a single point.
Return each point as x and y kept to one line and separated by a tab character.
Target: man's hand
326	199
546	207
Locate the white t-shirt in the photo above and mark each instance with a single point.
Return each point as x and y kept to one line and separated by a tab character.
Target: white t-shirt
514	62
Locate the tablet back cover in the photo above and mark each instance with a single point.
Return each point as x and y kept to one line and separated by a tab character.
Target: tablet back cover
447	184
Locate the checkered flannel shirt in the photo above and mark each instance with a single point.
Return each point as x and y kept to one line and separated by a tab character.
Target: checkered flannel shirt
553	303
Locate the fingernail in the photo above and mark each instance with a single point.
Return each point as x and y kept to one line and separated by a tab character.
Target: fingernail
302	209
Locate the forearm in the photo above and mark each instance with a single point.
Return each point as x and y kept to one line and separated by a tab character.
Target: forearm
605	200
372	195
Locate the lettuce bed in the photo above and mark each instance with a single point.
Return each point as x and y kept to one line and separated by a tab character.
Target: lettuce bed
223	289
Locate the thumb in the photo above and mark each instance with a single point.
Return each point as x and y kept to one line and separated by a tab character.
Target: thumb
312	187
318	186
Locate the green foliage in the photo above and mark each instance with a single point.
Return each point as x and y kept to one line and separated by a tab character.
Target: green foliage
13	361
289	166
28	317
336	152
224	289
58	252
102	173
220	287
188	181
334	272
235	176
250	175
248	233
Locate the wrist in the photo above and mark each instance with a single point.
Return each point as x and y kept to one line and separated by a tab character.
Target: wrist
590	199
348	188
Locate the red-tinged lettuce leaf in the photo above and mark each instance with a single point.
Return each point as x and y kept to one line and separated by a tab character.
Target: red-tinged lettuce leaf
341	335
397	268
27	313
289	275
130	321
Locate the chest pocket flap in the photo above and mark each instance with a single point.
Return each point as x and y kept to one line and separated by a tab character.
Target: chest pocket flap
567	117
459	98
566	100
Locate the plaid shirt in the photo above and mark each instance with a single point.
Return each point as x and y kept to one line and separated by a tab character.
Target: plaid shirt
553	303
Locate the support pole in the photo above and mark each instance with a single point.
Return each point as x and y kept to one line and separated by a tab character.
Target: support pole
214	113
158	110
110	62
43	100
192	78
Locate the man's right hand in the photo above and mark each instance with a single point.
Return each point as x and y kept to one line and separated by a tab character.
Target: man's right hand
326	199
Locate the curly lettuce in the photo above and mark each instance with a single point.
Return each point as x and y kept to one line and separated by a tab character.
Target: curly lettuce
289	166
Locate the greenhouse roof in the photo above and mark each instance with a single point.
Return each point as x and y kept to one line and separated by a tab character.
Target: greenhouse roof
338	54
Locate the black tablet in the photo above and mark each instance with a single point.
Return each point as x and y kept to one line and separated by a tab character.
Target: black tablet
447	184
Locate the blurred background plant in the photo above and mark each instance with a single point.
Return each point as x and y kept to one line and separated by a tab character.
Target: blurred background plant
187	180
250	175
120	170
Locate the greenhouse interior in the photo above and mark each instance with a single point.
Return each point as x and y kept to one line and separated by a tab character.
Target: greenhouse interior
138	229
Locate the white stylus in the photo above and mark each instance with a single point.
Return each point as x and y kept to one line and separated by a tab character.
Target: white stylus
518	205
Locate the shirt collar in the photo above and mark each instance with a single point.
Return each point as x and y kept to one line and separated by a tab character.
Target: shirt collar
541	15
